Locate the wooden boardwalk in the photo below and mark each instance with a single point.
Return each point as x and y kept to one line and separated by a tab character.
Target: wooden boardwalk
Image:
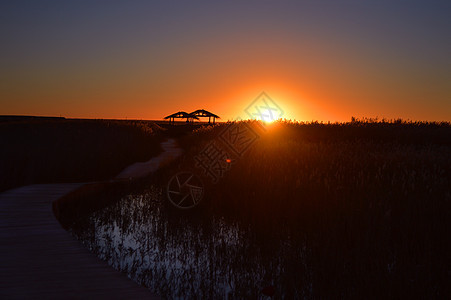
39	259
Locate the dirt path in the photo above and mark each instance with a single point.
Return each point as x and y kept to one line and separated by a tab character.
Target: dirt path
39	259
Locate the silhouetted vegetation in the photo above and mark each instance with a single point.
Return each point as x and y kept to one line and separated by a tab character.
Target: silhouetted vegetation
311	210
40	150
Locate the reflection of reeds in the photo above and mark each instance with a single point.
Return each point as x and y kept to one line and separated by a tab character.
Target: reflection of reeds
317	210
180	256
40	151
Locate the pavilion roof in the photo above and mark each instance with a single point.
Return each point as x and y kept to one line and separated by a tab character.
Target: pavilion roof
181	115
204	113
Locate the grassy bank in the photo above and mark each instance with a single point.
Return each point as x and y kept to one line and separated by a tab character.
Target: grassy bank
64	150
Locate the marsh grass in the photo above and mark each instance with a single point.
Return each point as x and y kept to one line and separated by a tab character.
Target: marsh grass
370	198
345	210
66	150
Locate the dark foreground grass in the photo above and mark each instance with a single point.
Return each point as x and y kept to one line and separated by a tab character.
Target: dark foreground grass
317	211
370	200
62	150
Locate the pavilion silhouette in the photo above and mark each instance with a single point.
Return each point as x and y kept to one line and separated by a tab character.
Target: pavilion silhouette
195	115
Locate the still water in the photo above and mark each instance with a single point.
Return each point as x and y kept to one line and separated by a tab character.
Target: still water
194	254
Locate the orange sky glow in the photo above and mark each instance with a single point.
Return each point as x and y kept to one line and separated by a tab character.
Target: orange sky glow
116	64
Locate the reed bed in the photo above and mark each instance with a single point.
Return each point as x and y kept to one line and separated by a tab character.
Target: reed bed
311	210
371	200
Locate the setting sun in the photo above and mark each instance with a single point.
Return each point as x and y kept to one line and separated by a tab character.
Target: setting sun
268	116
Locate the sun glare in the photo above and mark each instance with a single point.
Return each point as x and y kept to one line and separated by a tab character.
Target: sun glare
267	116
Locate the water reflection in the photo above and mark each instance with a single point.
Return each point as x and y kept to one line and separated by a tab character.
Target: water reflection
194	254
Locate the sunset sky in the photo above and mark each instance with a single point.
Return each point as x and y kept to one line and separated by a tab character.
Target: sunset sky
318	60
